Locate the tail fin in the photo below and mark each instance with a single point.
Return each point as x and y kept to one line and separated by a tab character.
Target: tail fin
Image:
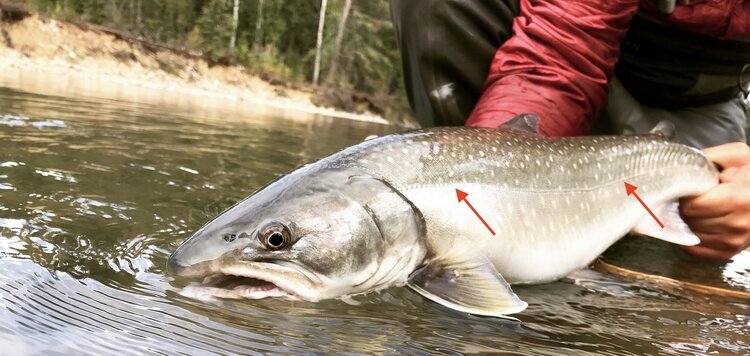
675	229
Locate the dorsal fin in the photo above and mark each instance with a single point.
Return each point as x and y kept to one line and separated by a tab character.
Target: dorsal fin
528	123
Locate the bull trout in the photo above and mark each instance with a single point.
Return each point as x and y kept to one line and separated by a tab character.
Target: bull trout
386	213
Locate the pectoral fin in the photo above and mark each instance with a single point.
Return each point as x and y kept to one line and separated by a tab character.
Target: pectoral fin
473	287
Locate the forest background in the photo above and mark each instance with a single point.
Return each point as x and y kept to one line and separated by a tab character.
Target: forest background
347	47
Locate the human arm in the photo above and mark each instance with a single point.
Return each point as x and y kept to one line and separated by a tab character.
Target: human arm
556	65
721	216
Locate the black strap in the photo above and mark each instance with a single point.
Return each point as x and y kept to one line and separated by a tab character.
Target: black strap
660	65
716	56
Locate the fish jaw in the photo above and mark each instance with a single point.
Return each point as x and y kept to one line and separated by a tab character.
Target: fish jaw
253	280
208	292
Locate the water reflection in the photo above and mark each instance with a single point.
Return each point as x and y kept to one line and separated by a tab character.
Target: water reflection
95	193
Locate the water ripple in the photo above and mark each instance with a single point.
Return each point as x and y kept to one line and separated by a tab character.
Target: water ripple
96	193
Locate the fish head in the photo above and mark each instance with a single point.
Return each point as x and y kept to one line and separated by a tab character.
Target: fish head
302	237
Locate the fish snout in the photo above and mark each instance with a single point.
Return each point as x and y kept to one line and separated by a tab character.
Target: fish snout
175	267
178	267
202	255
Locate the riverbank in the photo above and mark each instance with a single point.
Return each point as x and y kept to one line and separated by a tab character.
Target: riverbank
53	48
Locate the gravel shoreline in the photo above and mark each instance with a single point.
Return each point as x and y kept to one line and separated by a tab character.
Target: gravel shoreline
55	49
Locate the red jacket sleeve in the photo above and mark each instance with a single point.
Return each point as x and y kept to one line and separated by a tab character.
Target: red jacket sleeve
556	65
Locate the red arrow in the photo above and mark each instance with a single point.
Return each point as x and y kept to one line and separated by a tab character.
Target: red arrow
630	189
462	197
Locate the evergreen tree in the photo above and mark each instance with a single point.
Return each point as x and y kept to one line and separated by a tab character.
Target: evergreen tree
358	51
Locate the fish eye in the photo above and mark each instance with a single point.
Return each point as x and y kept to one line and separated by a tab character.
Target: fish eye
276	239
275	236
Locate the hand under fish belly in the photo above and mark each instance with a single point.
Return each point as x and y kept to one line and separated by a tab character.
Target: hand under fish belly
385	213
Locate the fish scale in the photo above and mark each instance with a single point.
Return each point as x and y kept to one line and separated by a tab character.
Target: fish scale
474	154
385	213
567	193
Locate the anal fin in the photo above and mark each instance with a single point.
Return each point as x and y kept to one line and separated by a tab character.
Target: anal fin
675	229
472	286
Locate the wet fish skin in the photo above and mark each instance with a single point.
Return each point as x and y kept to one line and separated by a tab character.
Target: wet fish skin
385	213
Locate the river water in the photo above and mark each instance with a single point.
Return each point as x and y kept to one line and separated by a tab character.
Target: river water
95	193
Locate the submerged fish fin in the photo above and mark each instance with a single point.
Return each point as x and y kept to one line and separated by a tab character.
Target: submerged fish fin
473	287
525	122
664	128
675	230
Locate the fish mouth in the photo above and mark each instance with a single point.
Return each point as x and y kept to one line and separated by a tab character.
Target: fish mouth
229	286
242	282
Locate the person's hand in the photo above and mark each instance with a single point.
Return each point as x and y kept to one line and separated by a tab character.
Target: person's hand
721	216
